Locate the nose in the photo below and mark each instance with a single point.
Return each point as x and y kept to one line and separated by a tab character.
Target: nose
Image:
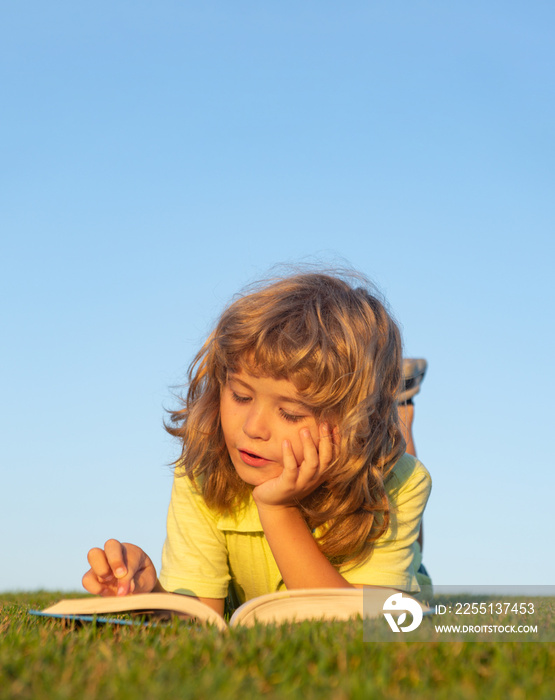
255	426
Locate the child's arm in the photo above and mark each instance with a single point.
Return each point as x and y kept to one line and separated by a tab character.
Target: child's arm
300	561
122	568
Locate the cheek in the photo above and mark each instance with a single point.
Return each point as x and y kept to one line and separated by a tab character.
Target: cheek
227	434
227	414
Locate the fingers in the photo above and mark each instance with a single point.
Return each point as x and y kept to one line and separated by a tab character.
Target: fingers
304	468
289	460
116	556
311	458
326	445
91	584
113	569
315	459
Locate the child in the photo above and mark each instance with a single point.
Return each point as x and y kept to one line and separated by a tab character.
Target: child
293	472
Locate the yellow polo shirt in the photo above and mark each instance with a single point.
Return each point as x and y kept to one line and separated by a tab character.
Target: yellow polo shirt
206	552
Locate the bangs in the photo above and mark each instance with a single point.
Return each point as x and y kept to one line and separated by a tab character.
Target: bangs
320	378
265	362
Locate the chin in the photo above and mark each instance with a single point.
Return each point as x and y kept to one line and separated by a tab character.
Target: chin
254	476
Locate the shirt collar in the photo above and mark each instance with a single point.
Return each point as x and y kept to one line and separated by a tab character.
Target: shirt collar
245	520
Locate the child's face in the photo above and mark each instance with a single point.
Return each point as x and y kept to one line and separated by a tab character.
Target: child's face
257	415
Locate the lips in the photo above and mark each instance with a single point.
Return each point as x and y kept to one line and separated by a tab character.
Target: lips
253	460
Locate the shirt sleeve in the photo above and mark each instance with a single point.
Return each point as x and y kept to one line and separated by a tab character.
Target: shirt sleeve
194	557
393	560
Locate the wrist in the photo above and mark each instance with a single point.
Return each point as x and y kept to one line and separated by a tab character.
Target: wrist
265	501
275	507
282	518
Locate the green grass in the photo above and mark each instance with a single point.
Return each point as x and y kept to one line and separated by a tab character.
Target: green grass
41	658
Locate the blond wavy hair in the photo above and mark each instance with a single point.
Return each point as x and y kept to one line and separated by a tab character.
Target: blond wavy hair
330	335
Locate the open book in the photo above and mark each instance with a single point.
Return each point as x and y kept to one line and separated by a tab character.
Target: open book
282	606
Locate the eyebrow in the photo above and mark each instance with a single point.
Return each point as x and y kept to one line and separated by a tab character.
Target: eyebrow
279	397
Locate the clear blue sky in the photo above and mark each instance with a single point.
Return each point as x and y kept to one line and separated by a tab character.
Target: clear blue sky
155	157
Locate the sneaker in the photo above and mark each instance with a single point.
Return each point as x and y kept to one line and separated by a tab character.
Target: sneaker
413	375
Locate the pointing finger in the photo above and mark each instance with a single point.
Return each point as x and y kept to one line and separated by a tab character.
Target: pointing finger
116	557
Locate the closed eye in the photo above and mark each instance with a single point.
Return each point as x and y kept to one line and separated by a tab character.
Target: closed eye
238	398
291	417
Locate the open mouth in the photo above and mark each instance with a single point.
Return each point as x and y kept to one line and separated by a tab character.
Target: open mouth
253	460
